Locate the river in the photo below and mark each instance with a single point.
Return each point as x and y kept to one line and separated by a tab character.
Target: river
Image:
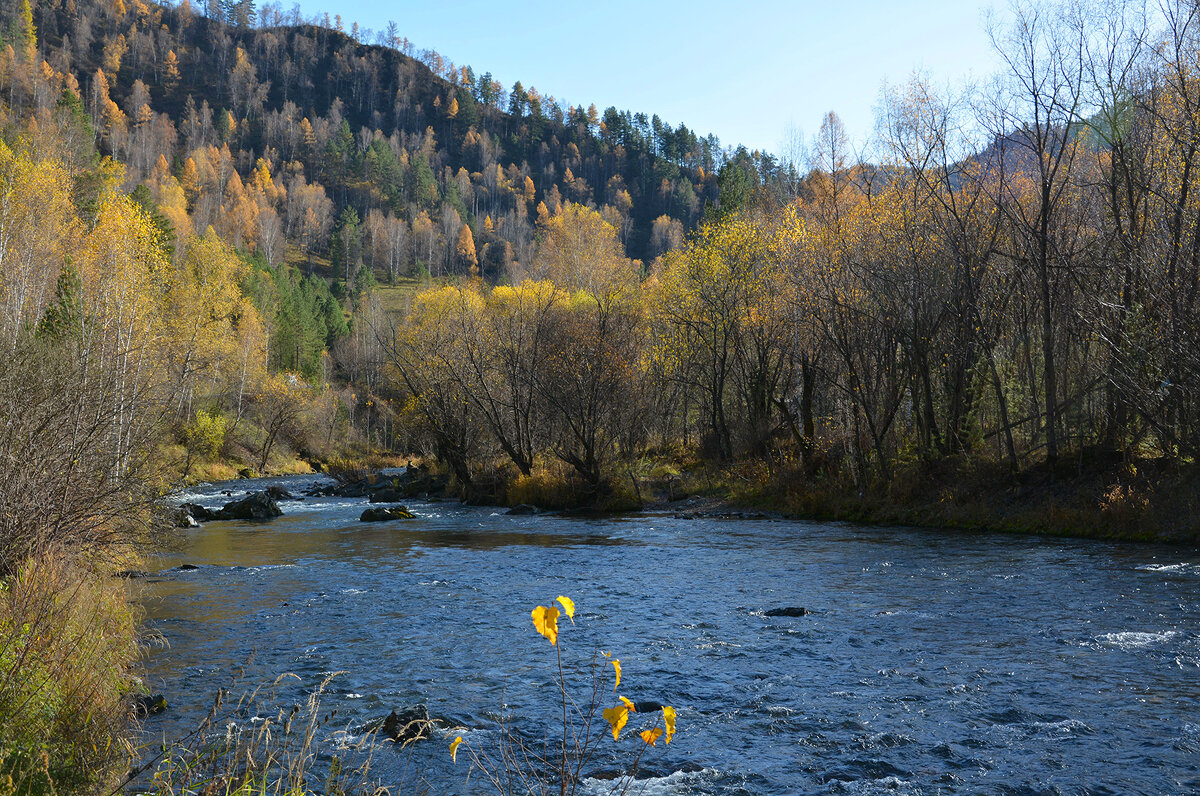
929	662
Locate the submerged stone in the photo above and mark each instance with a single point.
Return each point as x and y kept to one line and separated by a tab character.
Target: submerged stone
388	513
408	725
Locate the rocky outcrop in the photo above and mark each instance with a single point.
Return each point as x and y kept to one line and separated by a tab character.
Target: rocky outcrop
386	513
790	611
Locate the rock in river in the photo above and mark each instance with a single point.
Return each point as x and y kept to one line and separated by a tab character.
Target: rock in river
410	724
279	493
149	705
388	513
790	611
387	495
255	506
196	512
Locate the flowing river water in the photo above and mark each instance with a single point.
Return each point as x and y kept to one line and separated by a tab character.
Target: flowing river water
929	662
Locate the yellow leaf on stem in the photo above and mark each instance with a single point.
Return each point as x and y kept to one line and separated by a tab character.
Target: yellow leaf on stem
545	620
616	718
568	606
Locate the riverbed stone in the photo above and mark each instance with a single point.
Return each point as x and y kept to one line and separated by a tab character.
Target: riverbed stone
149	705
255	506
386	513
198	512
387	495
523	510
408	725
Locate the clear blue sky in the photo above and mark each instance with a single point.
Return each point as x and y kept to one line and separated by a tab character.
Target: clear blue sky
746	72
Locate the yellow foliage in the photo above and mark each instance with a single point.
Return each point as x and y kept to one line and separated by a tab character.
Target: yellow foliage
545	621
568	607
616	717
651	736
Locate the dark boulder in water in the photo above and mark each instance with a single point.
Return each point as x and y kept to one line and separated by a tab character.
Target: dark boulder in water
408	725
149	705
255	506
196	512
279	493
384	514
523	509
387	495
790	611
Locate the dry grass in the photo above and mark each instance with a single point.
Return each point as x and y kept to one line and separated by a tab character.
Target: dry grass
247	747
68	638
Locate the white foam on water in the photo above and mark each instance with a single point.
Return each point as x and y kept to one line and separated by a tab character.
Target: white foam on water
1135	639
889	784
1182	566
1064	726
708	645
353	591
675	782
267	567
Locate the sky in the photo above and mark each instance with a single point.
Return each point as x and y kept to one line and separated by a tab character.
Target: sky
755	73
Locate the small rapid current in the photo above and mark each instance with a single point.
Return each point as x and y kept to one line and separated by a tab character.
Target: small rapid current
929	662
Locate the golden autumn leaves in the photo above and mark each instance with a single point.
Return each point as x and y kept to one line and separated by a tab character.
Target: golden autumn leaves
545	622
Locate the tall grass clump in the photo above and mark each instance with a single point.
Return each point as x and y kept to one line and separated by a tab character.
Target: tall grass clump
252	747
67	643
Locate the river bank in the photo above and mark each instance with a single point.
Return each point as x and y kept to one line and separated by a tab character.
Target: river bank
1096	497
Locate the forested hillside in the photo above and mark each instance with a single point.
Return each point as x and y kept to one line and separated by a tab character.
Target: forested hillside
272	128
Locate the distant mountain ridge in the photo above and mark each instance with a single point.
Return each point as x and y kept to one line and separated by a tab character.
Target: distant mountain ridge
377	129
